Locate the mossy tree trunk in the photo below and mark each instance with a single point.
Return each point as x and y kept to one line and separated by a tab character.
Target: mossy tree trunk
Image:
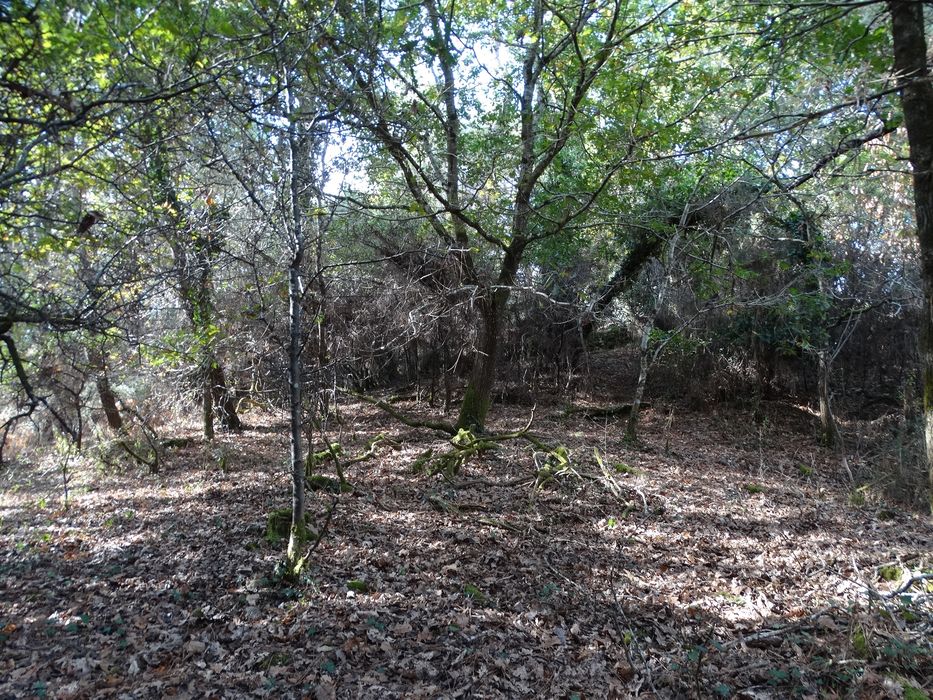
478	396
207	406
911	70
195	243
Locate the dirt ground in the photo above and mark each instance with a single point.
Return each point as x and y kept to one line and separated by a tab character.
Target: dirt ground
713	559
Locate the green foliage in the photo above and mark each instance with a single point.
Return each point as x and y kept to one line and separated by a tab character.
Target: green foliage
548	590
797	323
676	343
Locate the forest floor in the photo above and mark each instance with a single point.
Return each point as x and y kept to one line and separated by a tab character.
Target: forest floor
711	561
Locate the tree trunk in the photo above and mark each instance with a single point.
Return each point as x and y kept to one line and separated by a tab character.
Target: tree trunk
827	419
297	535
207	405
645	247
298	167
194	250
644	360
910	67
108	400
223	400
478	395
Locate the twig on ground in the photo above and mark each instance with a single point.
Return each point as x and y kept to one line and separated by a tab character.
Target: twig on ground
439	426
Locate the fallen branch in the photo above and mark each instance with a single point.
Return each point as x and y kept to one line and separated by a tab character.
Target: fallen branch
444	506
333	452
438	426
177	442
522	434
907	585
368	453
467	444
496	522
492	484
593	412
615	488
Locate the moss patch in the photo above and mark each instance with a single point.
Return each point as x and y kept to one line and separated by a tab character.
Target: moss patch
319	482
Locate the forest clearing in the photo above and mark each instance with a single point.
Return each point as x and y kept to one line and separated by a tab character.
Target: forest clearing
466	349
714	567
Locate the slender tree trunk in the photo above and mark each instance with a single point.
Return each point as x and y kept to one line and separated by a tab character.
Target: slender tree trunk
816	250
646	358
207	405
827	419
298	166
294	400
910	67
644	361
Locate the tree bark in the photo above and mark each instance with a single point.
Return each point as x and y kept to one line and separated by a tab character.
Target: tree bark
645	247
910	67
207	405
478	395
298	167
827	419
108	400
646	358
631	426
451	216
223	400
